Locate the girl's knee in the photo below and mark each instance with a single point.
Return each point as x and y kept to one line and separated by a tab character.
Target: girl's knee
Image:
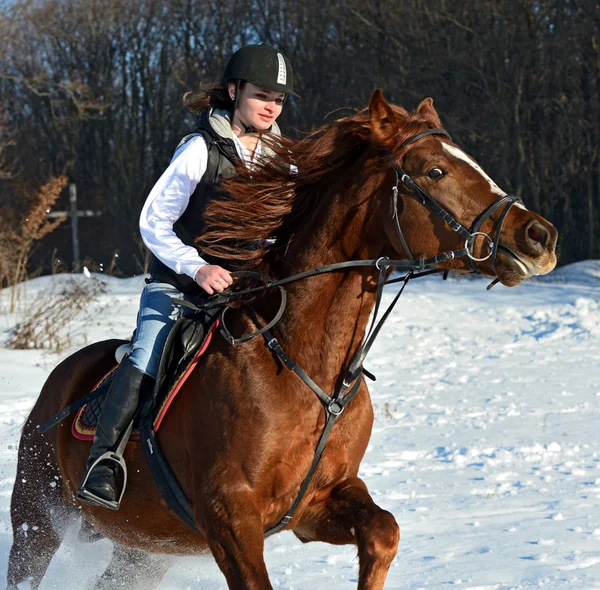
144	361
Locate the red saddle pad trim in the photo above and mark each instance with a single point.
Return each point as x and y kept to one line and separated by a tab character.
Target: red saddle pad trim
82	432
78	428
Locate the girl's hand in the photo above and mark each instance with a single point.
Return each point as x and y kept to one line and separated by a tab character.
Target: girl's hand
213	278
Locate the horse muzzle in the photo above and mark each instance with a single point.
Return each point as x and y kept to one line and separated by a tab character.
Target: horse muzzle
530	252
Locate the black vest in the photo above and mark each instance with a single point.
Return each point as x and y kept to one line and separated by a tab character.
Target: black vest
222	157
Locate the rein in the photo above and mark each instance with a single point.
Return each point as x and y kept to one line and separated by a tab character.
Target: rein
349	384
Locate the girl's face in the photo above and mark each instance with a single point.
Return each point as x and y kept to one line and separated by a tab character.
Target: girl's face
256	107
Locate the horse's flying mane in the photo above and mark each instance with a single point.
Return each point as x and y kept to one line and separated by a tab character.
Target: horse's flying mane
270	201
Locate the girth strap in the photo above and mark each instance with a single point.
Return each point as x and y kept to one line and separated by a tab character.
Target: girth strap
169	487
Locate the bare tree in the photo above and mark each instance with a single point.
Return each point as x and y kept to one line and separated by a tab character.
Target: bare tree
92	89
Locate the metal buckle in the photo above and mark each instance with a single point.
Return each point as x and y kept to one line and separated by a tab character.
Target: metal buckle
471	242
228	337
379	260
335	408
455	225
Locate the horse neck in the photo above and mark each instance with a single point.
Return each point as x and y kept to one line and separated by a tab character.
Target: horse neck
327	315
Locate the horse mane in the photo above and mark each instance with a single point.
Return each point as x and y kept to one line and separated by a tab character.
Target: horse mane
272	201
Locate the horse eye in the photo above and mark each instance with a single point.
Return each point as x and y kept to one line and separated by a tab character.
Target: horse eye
435	173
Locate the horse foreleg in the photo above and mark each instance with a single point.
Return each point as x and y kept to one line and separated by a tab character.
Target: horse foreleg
349	516
235	537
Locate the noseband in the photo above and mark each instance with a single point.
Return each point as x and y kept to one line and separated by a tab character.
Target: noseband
423	197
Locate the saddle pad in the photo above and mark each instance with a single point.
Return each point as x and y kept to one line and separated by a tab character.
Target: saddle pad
86	419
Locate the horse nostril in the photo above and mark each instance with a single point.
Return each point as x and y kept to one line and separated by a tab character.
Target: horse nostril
537	234
533	234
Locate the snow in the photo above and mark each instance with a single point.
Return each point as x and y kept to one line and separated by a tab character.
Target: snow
486	445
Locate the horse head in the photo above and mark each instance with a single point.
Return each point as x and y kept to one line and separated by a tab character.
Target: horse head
509	241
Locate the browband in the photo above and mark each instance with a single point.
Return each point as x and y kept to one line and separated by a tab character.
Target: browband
423	134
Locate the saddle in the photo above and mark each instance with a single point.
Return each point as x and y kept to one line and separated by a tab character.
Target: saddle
188	340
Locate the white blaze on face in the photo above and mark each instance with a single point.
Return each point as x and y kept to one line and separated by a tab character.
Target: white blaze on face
462	156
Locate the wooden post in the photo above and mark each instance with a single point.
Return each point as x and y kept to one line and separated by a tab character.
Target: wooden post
74	214
74	223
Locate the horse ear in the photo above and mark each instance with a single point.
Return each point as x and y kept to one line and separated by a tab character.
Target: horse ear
426	110
384	121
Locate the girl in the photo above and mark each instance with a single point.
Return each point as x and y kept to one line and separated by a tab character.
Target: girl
233	115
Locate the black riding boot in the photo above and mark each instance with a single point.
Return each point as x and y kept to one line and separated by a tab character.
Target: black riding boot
128	386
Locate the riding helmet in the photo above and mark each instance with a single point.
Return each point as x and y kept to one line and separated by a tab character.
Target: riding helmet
261	65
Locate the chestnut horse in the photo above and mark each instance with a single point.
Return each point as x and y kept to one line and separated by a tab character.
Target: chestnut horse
241	435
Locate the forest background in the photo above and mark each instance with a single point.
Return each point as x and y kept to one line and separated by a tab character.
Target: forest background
90	93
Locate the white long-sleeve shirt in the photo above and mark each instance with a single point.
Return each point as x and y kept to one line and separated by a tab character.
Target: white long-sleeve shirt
170	197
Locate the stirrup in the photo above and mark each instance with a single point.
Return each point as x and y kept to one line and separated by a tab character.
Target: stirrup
93	499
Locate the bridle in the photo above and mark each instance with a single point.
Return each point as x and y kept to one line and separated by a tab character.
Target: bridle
425	199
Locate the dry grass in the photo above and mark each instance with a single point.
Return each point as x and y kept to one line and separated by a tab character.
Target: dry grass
19	240
53	316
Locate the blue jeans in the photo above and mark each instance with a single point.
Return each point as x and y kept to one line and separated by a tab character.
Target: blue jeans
155	319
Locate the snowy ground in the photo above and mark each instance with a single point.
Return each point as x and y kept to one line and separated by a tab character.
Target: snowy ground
486	444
